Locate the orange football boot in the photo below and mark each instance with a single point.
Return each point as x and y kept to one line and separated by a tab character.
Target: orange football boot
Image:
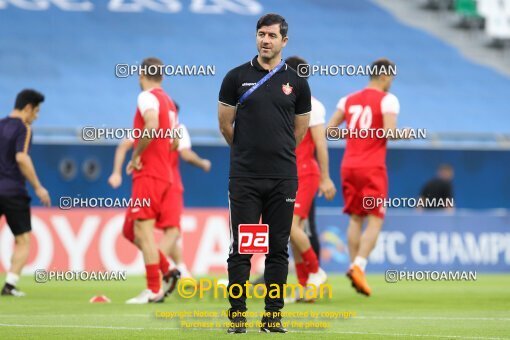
359	281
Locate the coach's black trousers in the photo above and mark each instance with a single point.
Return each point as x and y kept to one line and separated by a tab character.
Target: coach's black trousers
249	199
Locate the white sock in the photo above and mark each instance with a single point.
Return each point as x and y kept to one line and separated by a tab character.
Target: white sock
12	279
360	262
183	269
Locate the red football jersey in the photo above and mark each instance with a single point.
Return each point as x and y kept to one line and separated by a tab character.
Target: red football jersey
365	110
155	159
305	152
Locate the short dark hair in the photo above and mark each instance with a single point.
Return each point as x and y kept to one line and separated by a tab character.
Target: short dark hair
294	62
157	65
382	66
28	96
272	19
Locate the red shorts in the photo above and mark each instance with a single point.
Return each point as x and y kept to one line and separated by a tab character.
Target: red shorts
361	187
158	192
307	189
128	229
175	207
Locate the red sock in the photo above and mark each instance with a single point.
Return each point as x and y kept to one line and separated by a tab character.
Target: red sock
164	265
302	273
310	258
153	277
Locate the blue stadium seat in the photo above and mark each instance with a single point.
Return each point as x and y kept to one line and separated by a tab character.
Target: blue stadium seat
70	55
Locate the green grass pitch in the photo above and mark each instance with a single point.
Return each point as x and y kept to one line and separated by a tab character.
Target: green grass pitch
442	310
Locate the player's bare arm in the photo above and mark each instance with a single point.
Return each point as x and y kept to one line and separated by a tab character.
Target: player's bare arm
191	157
226	117
390	123
151	120
300	126
27	169
175	144
326	187
335	121
115	179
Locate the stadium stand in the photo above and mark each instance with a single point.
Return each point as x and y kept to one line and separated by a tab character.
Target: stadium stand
468	14
78	45
491	16
497	25
75	68
467	8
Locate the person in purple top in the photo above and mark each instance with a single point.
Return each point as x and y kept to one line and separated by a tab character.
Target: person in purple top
16	166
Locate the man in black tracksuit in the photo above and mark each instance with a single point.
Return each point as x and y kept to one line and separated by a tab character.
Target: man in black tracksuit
263	130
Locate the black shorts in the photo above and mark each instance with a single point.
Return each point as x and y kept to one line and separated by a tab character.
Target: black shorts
17	213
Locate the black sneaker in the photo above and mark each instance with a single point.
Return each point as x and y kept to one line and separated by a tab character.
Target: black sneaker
12	291
237	323
272	323
170	281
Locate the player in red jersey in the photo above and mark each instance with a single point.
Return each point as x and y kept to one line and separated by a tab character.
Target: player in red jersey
170	244
150	167
363	169
313	177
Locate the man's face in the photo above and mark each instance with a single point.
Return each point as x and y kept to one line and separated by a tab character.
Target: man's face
269	41
32	113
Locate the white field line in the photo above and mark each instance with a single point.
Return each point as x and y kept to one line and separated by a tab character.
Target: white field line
152	315
222	330
446	318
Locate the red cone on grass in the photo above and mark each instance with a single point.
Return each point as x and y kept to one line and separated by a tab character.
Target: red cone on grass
99	299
